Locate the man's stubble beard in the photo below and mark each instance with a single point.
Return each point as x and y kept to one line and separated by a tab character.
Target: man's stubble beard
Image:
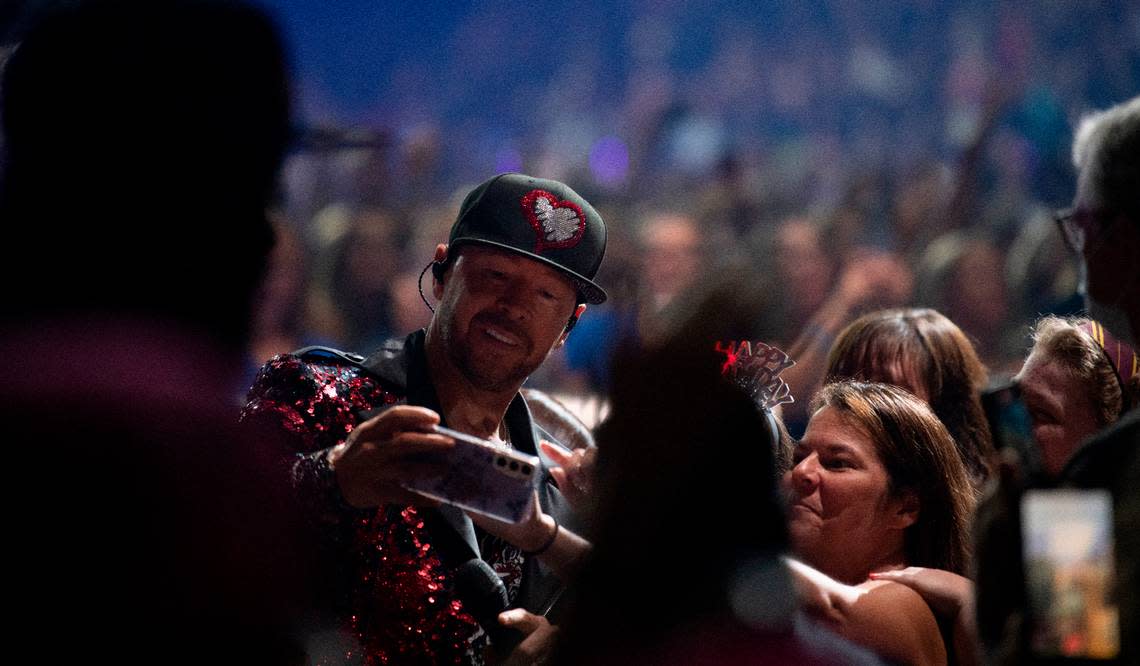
495	377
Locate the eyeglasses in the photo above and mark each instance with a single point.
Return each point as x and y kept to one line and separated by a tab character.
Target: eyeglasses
1074	224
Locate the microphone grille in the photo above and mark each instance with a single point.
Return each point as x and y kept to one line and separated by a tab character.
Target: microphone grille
480	589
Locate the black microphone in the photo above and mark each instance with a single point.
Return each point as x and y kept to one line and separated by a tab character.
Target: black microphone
484	596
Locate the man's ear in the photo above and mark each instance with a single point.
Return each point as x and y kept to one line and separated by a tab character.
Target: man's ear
570	324
906	510
438	270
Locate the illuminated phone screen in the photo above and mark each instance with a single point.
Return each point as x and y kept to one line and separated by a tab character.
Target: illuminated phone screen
1067	544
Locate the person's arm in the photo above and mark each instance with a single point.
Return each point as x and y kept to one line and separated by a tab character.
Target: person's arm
290	418
319	498
541	536
574	473
950	596
880	279
887	618
386	450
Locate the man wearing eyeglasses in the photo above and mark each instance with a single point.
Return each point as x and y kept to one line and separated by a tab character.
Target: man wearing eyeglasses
1103	226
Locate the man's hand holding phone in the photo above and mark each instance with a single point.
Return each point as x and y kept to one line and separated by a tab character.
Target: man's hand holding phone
384	452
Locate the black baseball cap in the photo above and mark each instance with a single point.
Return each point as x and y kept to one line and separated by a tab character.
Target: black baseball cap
541	219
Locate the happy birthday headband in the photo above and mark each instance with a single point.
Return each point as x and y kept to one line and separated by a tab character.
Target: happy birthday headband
755	367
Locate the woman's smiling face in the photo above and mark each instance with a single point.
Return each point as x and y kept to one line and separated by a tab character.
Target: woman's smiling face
841	516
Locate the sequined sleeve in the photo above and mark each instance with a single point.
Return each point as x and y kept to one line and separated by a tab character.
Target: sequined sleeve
307	408
317	492
298	403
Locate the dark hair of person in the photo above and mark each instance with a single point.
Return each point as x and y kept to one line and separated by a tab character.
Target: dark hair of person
686	498
922	351
920	457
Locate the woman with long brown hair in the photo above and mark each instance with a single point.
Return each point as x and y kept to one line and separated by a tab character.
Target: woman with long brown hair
925	353
876	485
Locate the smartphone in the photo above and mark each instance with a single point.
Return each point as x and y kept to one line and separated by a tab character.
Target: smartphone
1012	428
483	477
1067	549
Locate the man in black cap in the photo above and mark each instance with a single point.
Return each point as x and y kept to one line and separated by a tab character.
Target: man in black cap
512	281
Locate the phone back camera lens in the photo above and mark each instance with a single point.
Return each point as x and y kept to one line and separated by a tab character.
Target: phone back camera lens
526	469
514	465
501	462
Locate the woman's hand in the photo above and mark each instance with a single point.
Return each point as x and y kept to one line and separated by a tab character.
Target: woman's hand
951	597
948	594
878	277
575	472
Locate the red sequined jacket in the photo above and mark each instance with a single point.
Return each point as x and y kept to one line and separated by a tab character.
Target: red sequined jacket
391	582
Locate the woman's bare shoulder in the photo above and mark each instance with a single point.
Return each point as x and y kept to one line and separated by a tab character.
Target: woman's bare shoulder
895	621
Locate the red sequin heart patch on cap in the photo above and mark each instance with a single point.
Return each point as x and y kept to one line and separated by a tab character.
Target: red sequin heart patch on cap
557	224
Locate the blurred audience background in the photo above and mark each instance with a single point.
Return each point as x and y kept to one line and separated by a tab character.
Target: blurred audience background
787	138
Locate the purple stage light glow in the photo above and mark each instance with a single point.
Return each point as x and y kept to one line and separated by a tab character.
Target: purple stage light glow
609	161
508	160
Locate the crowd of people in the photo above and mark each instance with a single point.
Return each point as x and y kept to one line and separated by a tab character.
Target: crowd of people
935	134
802	459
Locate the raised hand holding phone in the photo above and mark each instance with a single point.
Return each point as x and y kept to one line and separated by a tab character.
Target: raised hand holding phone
381	454
479	476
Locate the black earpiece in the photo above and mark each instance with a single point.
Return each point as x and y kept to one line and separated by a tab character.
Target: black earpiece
438	268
